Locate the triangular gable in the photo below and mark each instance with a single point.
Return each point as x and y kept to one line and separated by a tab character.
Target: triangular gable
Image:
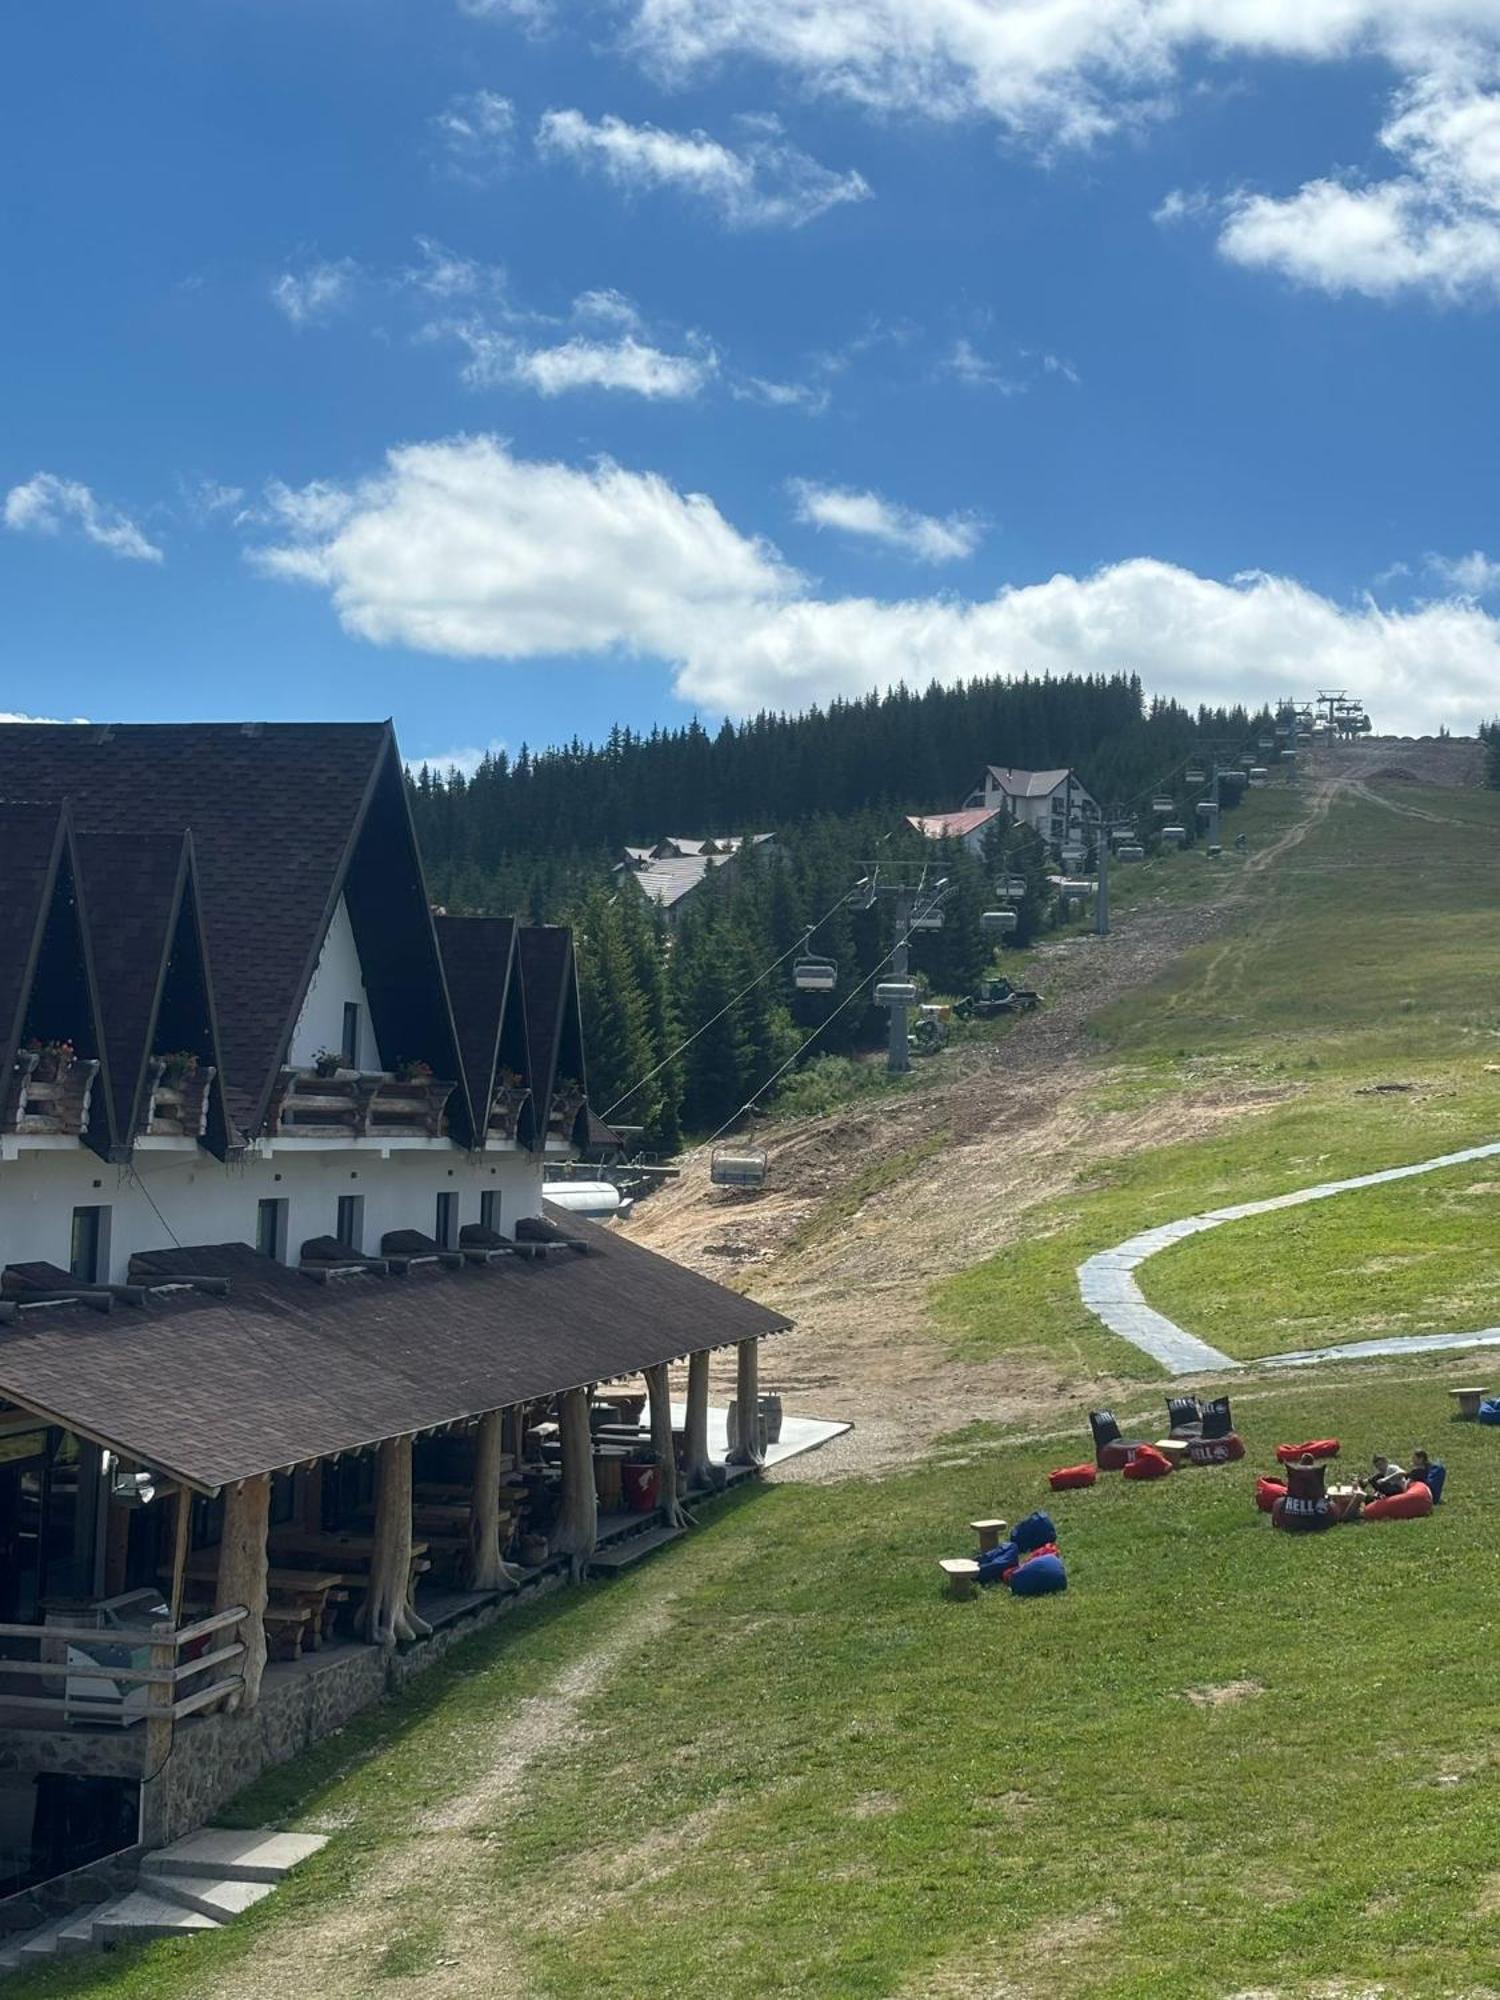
57	999
395	933
485	988
146	928
554	1023
280	814
31	842
273	810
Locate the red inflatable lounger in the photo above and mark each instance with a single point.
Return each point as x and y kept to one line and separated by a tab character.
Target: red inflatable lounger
1267	1493
1412	1505
1319	1448
1071	1475
1148	1463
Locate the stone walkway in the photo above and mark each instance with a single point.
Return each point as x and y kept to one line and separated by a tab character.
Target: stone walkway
1107	1283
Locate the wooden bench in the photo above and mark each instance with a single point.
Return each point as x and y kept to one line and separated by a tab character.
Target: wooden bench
962	1573
1468	1401
286	1629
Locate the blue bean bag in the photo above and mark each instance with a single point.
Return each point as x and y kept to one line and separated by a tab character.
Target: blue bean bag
995	1562
1040	1577
1489	1410
1436	1479
1034	1532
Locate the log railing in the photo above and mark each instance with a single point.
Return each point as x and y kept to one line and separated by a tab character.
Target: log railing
45	1097
177	1106
174	1686
359	1104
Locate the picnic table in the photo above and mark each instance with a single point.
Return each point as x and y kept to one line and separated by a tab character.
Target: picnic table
300	1607
345	1554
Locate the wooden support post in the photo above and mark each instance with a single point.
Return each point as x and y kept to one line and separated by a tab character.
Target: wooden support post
161	1726
658	1390
390	1618
698	1469
487	1568
746	1449
310	1507
182	1524
116	1547
577	1531
242	1580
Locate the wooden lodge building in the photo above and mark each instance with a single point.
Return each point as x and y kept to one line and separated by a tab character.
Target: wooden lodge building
298	1375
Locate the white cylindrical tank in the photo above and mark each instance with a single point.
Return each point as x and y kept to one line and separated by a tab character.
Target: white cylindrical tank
584	1197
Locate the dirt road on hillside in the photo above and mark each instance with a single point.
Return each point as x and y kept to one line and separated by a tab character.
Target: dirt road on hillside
864	1209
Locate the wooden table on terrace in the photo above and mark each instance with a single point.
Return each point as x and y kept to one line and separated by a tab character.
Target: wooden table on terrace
346	1555
301	1601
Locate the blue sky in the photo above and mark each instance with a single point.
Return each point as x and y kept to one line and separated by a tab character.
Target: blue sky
519	368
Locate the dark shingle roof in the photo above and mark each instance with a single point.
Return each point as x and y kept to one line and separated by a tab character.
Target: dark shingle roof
133	883
478	955
217	1389
273	809
30	840
546	956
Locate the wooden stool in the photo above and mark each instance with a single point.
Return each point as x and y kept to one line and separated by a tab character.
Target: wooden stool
990	1534
1468	1401
962	1573
1176	1449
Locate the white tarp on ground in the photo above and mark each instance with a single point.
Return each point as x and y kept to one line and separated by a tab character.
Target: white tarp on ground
798	1434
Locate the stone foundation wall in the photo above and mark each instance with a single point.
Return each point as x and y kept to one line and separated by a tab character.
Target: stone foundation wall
218	1755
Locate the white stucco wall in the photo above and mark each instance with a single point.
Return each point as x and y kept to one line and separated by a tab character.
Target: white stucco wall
203	1202
339	978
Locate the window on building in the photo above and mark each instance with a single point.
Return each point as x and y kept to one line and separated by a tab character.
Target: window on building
351	1225
349	1047
446	1229
489	1210
88	1257
271	1228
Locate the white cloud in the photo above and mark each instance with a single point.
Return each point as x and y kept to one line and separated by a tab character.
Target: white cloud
6	716
965	362
530	13
766	183
1473	575
1052	71
475	131
315	293
813	397
447	275
460	548
1433	228
46	504
624	357
924	536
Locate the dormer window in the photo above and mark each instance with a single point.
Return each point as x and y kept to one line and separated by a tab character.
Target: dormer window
349	1047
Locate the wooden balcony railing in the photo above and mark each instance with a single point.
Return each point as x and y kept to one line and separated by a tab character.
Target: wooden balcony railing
176	1108
505	1111
120	1661
566	1105
47	1097
359	1104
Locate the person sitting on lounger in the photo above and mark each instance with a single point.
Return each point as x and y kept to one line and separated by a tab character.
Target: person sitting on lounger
1432	1474
1385	1477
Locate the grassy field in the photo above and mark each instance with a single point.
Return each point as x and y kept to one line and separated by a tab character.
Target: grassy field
1421	1256
1368	953
777	1762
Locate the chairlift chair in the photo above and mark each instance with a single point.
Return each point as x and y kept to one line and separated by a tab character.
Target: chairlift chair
738	1166
1013	886
815	975
895	993
1131	851
1174	836
998	923
1196	776
1268	742
927	920
1161	805
1258	776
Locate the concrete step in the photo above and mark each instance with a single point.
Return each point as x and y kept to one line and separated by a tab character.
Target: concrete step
47	1942
142	1915
79	1934
236	1854
13	1954
620	1555
221	1897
